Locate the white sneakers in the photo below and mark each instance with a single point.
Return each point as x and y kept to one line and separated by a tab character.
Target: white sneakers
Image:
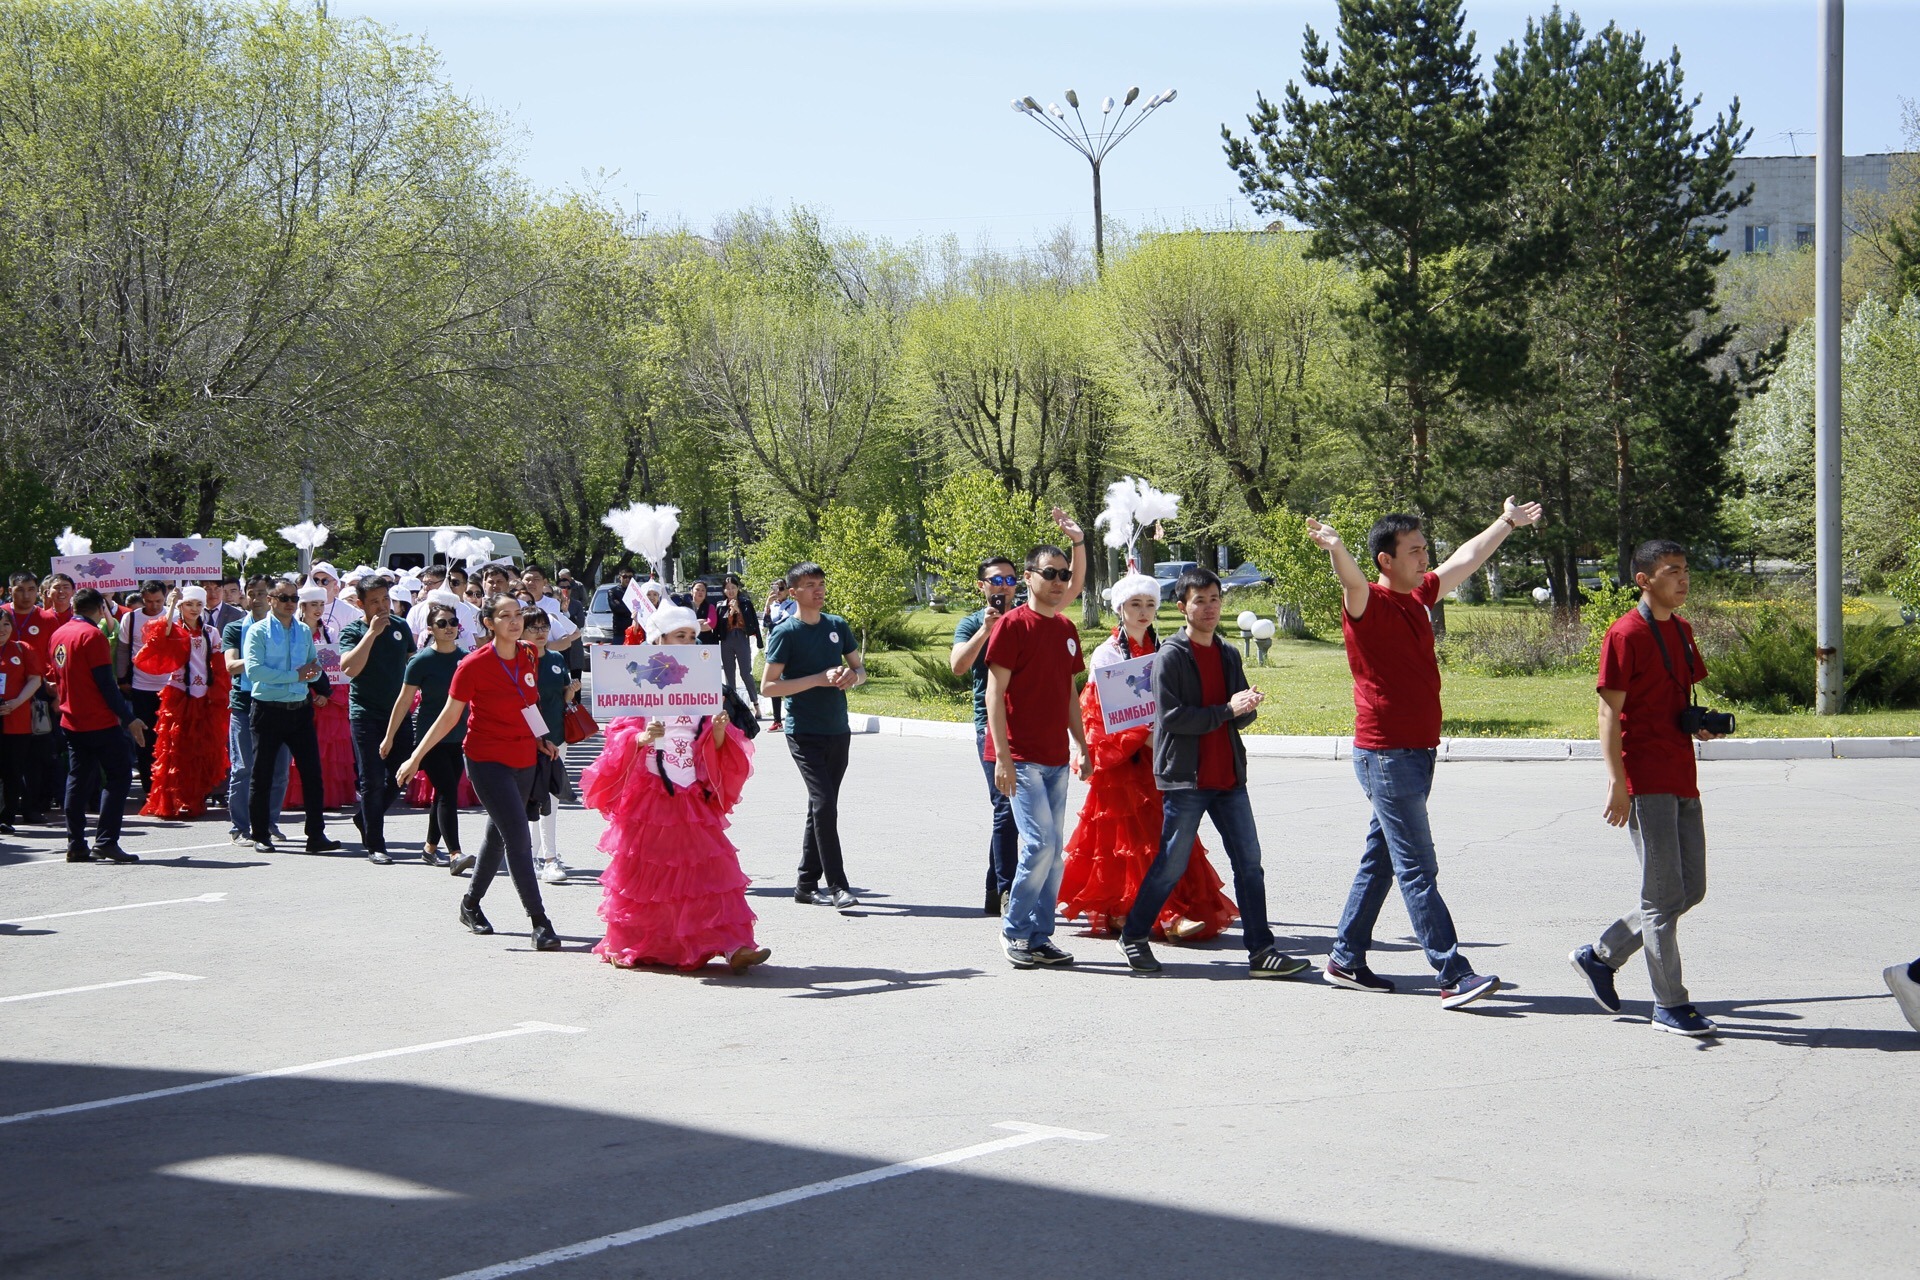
1905	990
553	871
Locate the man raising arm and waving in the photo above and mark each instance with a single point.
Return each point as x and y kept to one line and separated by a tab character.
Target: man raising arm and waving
1396	737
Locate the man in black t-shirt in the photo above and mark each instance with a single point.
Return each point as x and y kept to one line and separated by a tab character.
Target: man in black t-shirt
374	653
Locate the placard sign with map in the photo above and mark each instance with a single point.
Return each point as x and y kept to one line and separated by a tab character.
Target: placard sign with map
1126	693
177	559
656	680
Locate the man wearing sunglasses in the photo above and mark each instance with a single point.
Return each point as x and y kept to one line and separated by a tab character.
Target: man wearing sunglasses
1034	737
282	664
998	582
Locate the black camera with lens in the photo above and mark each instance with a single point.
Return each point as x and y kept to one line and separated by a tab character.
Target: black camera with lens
1693	719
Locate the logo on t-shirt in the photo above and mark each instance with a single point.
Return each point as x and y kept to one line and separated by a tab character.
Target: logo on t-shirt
60	653
834	636
529	679
1073	646
33	631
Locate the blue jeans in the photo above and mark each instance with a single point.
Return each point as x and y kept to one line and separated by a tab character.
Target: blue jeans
1040	814
1399	846
240	776
1180	814
1003	850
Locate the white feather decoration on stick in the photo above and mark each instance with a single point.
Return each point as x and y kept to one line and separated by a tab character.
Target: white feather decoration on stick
243	548
306	535
1133	505
645	530
70	543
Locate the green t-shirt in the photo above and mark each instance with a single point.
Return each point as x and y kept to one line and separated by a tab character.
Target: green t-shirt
807	651
431	672
551	681
378	684
969	628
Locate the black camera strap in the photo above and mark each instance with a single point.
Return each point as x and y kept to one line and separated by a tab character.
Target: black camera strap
1686	649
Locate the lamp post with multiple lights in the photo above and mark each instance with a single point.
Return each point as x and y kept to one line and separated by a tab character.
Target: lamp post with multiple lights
1094	144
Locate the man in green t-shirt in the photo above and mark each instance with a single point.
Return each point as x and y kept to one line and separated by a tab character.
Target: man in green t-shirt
374	653
812	660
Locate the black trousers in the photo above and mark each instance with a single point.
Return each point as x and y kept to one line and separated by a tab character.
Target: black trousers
146	709
504	791
444	767
16	753
379	788
99	764
822	760
289	725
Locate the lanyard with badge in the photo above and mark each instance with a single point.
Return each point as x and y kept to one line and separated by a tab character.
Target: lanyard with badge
529	711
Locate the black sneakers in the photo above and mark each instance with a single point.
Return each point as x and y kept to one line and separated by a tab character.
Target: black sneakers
544	938
1470	987
1274	963
1358	978
1045	953
1599	976
471	917
1139	955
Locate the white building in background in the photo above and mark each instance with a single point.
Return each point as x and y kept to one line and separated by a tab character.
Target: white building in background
1781	214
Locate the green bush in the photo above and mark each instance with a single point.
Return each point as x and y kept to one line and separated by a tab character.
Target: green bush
971	517
891	631
930	679
1303	575
1520	645
1602	607
1771	667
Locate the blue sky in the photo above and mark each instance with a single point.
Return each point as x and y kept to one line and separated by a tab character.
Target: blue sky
894	119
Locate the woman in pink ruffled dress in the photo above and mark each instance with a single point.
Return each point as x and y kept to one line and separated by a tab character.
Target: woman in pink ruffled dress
674	893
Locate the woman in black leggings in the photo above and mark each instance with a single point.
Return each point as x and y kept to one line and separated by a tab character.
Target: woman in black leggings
494	687
430	674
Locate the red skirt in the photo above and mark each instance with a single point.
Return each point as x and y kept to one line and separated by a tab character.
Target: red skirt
189	754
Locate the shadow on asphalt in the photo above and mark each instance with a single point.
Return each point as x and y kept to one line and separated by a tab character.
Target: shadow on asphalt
85	1196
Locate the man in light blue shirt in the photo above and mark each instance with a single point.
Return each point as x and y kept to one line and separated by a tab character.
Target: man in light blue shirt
281	664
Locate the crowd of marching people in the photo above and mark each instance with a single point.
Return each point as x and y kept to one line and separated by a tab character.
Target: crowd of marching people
455	683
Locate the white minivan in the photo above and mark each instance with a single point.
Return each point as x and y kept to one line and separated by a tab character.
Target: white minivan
405	549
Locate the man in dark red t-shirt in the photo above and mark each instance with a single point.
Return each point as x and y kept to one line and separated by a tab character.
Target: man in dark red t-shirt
1201	702
1648	667
93	713
1396	739
1034	737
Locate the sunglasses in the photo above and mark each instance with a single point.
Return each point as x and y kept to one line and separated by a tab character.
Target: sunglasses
1002	580
284	599
1053	575
444	622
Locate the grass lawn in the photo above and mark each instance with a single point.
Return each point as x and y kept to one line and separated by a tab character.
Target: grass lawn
1310	691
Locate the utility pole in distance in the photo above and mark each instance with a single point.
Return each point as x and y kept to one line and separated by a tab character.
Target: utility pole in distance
1095	146
1829	661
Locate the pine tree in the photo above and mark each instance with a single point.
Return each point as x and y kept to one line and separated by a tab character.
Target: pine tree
1394	168
1632	403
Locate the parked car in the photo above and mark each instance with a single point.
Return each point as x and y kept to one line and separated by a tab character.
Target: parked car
1247	575
599	628
1168	572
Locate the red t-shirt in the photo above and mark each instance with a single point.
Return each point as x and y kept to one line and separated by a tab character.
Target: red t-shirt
35	629
78	648
1658	756
18	664
1043	656
1216	748
495	690
1396	677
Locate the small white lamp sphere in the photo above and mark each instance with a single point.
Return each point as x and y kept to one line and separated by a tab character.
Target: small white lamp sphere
1246	619
1263	629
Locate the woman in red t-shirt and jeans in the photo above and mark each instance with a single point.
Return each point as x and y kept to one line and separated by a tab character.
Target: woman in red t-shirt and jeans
21	675
495	686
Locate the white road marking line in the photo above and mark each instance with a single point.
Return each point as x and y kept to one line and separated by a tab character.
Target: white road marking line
125	906
1024	1135
59	859
153	975
518	1029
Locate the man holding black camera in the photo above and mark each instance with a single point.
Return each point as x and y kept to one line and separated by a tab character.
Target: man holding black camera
1648	667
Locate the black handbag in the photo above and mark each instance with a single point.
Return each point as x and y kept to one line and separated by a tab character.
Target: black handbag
740	715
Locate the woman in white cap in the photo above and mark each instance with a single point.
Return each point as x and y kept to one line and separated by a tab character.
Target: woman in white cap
674	893
190	735
1118	832
330	720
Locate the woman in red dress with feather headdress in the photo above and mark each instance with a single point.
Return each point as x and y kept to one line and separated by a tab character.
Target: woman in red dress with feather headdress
190	735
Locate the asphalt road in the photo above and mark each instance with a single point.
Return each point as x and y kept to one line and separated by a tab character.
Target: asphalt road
458	1102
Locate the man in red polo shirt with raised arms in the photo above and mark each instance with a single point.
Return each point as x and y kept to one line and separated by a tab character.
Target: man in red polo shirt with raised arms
1396	739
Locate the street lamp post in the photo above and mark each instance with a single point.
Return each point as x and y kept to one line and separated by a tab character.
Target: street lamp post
1094	144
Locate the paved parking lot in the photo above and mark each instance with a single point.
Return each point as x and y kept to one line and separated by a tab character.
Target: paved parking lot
219	1063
